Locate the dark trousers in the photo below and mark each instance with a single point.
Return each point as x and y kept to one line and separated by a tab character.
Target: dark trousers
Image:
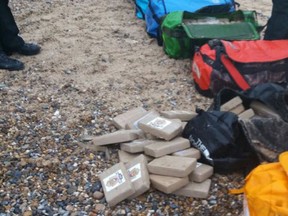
277	27
9	38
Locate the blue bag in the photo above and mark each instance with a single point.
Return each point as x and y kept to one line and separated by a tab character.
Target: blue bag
157	9
141	6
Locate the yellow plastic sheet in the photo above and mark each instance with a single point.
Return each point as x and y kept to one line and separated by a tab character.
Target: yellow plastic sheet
266	189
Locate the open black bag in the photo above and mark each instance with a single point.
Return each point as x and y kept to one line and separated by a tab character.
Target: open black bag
221	141
268	136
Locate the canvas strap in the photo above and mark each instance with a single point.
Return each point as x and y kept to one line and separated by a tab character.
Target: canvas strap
236	191
235	74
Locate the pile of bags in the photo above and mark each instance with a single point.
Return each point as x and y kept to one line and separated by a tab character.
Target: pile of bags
223	42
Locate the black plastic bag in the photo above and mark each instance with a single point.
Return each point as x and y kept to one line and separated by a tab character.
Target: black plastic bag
221	141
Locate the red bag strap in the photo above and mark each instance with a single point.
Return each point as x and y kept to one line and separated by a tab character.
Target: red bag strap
235	74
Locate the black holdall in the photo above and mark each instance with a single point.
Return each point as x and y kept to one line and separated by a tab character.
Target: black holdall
267	133
272	95
221	141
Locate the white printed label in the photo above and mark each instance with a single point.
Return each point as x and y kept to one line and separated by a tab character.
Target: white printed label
135	172
114	180
159	123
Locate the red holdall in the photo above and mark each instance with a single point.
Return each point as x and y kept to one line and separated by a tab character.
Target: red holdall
239	65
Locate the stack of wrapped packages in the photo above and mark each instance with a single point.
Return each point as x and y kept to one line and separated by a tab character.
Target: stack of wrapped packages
153	153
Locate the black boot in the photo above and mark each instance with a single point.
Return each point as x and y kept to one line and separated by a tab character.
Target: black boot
27	49
9	63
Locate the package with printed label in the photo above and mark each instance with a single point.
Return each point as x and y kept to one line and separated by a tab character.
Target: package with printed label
134	124
160	127
116	184
139	176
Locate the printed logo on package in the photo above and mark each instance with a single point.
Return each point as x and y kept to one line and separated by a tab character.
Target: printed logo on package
135	172
114	180
159	123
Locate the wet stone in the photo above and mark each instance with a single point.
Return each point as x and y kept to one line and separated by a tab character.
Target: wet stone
99	208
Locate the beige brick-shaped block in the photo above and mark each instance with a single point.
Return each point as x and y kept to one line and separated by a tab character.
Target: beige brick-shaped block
190	152
201	173
160	127
172	166
151	137
196	190
231	104
184	125
139	176
247	114
134	124
179	114
135	146
237	110
263	110
161	148
116	184
126	157
116	137
120	121
168	184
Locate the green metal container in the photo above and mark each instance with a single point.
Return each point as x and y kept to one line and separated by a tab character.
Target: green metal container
182	31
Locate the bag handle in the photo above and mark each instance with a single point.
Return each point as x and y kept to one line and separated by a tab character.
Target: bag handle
235	74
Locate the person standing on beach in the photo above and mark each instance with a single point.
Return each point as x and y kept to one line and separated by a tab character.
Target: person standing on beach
277	27
11	42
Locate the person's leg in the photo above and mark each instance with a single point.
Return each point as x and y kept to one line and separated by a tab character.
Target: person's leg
8	28
277	27
9	38
7	63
